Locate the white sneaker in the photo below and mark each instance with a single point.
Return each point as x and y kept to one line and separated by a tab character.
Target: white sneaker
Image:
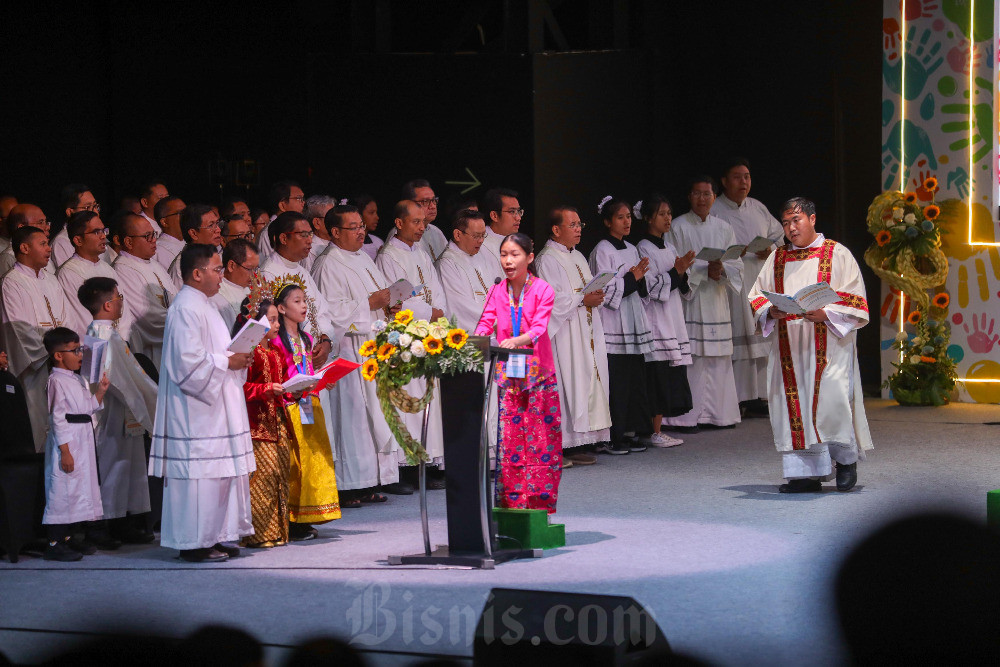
663	440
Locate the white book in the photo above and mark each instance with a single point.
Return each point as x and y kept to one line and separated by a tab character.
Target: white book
598	282
93	359
718	254
760	243
247	338
403	289
810	297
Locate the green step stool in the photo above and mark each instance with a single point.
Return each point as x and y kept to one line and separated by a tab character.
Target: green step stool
993	507
530	528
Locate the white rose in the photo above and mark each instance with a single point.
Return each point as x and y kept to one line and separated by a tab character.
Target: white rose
909	218
918	341
915	359
901	336
897	214
417	348
405	355
405	340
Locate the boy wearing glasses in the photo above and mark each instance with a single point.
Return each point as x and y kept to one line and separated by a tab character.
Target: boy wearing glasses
72	487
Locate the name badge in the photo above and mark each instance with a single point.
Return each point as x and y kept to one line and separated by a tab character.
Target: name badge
306	410
10	389
516	366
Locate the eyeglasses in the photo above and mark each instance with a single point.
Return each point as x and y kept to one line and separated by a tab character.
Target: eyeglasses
299	198
306	233
76	350
217	269
478	237
703	194
148	236
103	231
427	202
212	225
118	295
170	215
245	235
251	271
577	225
352	229
94	206
516	212
44	223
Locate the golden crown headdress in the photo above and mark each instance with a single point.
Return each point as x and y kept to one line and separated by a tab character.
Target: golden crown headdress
281	282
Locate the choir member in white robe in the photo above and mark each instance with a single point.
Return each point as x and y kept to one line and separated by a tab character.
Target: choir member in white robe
577	333
89	236
170	239
151	194
241	261
357	294
814	383
627	335
667	283
128	413
284	196
23	215
199	224
72	490
315	212
749	219
32	303
201	435
709	322
503	214
75	198
434	240
147	288
404	257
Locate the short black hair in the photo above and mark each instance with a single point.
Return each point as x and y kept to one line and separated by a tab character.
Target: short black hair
283	224
734	162
402	208
335	216
229	206
556	215
361	201
410	187
70	195
147	188
21	235
160	209
118	226
95	292
703	178
463	217
195	256
280	192
493	200
797	205
236	250
191	219
651	204
77	223
55	338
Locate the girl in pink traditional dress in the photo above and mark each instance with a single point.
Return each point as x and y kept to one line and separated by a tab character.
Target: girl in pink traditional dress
529	446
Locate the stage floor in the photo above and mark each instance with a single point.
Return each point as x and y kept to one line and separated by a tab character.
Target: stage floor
732	571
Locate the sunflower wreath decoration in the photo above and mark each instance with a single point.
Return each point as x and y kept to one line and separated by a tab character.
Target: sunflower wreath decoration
907	255
402	349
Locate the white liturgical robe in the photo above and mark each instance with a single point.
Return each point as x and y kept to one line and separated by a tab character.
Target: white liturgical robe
491	246
71	276
372	245
75	496
148	292
663	308
228	301
578	349
62	247
366	450
201	434
315	250
749	219
817	410
466	280
626	329
7	261
128	412
167	250
433	241
33	303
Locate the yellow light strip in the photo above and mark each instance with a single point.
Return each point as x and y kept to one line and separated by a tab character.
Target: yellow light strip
968	380
972	98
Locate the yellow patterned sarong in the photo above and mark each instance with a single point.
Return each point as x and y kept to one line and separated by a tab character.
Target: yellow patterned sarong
312	489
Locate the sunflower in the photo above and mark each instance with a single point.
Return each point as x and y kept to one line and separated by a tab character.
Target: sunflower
456	338
369	369
913	317
911	197
932	211
882	238
928	360
386	351
433	345
404	317
941	300
931	184
368	349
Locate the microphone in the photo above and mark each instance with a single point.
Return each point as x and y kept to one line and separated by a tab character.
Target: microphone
497	281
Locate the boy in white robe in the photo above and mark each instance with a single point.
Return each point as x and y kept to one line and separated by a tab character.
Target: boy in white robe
72	491
127	415
201	434
814	383
241	261
503	214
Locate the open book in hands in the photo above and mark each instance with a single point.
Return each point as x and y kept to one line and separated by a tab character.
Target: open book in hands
246	339
809	298
760	243
403	289
718	254
598	282
321	379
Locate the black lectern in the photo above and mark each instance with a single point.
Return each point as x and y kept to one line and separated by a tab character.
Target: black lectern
469	487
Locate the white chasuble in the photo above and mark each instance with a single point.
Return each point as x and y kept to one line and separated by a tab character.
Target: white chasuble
201	432
366	449
71	276
148	293
129	407
33	303
433	241
814	383
578	348
167	249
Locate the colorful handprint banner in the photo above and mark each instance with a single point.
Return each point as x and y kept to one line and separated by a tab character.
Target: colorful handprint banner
939	118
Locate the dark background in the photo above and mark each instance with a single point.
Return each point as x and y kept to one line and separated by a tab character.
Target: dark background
619	97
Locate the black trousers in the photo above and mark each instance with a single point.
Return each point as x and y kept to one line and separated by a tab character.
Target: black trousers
630	409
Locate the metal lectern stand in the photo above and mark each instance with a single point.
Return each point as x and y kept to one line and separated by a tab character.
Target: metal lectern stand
467	546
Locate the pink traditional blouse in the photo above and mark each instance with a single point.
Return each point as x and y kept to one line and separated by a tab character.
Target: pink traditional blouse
536	310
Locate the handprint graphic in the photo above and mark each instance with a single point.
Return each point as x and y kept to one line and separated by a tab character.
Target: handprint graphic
981	340
922	60
982	129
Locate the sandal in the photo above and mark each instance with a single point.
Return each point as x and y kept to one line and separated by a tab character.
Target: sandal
374	497
350	503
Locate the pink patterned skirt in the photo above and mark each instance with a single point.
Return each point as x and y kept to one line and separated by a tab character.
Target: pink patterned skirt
529	447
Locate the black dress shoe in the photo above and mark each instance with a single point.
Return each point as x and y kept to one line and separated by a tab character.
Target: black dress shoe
847	476
103	541
134	535
61	552
228	549
82	546
300	532
204	555
398	489
801	486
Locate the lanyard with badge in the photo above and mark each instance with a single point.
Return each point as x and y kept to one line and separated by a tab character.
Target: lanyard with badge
305	403
516	362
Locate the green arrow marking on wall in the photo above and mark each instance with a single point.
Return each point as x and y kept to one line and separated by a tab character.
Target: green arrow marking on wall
472	185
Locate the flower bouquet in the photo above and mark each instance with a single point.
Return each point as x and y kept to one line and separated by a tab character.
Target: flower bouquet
925	375
402	349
